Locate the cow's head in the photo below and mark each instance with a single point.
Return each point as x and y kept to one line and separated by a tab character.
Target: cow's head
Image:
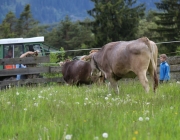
90	56
95	70
63	62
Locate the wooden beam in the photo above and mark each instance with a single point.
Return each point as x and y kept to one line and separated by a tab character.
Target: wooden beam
25	60
33	81
30	70
55	69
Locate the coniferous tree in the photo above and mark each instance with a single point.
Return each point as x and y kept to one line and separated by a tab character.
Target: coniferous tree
115	20
38	30
144	25
8	26
168	24
26	22
70	35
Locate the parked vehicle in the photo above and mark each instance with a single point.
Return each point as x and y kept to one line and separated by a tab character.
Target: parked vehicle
21	45
14	47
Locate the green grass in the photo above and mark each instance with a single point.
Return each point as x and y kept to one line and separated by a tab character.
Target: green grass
52	112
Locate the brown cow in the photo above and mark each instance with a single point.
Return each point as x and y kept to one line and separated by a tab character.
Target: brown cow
78	72
126	59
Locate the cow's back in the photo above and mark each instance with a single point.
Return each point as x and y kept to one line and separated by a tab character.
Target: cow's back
123	56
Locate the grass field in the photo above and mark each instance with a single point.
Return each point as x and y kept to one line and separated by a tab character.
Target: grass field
58	112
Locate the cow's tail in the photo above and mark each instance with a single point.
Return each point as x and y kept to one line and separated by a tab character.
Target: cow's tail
153	64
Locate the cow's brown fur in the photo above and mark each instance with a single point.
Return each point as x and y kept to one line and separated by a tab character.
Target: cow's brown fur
125	59
78	72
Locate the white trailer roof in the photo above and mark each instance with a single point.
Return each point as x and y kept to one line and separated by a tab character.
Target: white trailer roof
21	40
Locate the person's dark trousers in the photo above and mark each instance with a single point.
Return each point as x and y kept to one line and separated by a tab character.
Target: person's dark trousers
162	81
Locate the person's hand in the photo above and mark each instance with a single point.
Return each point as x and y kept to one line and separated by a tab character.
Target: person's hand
35	53
29	52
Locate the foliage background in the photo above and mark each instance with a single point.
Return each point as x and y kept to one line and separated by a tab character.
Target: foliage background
48	11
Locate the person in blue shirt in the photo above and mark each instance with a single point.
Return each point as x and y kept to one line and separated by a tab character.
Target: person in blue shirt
18	77
29	53
164	69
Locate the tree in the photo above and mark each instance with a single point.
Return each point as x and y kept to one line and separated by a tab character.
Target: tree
26	22
115	20
168	24
37	30
144	25
70	35
8	26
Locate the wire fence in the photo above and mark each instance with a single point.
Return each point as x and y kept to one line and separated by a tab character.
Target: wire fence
77	50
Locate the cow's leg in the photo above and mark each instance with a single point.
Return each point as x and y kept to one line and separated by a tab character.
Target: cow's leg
143	79
113	85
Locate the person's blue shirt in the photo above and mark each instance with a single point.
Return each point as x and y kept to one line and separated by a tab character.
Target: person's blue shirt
18	77
164	71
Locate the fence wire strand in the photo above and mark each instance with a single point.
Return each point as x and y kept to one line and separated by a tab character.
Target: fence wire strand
77	50
100	48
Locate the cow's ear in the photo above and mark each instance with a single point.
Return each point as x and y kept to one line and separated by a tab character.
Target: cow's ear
61	63
87	58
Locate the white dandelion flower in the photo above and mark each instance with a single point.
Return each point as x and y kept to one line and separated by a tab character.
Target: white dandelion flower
86	99
147	118
141	119
108	95
17	93
96	138
36	104
68	137
105	135
25	109
106	98
8	103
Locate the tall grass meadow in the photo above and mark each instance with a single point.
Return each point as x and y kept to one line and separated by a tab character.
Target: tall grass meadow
61	112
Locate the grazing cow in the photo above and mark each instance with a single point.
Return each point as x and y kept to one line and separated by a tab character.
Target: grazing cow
126	59
61	63
78	72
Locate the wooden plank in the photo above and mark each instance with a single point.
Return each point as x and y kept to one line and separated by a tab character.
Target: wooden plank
55	69
25	60
33	81
29	70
